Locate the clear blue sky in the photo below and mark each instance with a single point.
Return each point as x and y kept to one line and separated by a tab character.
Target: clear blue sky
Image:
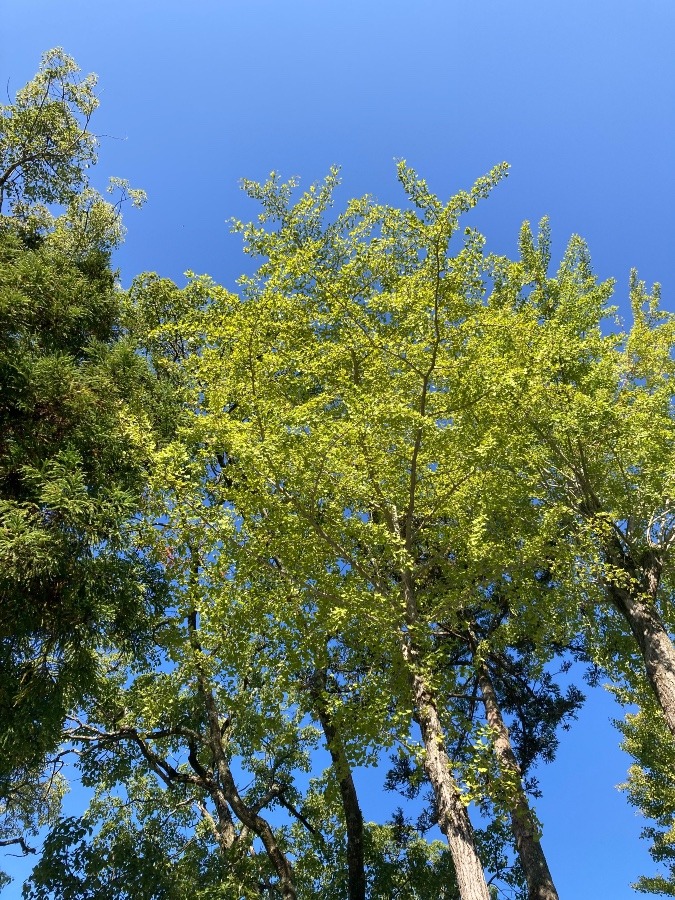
578	95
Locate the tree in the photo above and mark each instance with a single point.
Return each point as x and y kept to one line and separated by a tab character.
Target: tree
74	449
70	474
332	396
209	729
593	417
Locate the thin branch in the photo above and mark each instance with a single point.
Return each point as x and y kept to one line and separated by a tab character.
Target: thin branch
26	848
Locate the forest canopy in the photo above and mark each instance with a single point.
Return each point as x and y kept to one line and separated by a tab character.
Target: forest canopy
368	510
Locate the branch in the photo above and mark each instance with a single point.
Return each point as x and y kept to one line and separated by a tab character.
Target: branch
299	816
7	842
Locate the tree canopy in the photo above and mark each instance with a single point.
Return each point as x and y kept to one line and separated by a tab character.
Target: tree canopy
368	507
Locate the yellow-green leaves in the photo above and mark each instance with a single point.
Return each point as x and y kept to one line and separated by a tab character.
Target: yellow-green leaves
46	144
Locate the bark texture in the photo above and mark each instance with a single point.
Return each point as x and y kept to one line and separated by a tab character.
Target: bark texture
523	825
655	645
453	818
356	874
634	595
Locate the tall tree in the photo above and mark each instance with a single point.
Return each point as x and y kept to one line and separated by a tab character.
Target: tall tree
226	691
592	416
395	476
332	395
73	450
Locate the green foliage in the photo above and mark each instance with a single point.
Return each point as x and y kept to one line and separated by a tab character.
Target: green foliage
376	409
46	144
239	530
402	864
74	451
335	446
651	783
71	471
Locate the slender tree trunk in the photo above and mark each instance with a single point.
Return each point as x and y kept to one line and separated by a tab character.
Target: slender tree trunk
453	818
523	825
356	874
261	827
247	816
655	645
635	598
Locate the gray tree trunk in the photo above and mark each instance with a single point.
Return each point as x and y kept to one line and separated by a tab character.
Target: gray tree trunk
453	818
523	824
655	645
635	598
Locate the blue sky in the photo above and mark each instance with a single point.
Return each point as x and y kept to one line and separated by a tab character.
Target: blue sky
578	96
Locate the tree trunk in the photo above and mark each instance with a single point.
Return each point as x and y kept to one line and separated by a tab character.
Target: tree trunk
247	816
356	874
655	645
453	818
523	825
260	826
635	598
